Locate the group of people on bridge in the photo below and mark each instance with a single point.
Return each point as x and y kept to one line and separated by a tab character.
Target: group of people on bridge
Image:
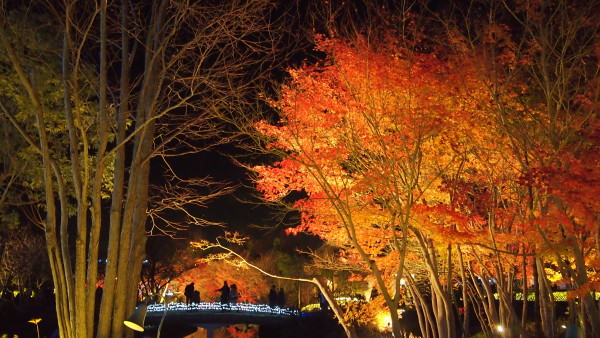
191	295
276	298
230	295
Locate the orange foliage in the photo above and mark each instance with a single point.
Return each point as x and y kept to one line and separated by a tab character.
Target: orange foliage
386	143
368	136
208	277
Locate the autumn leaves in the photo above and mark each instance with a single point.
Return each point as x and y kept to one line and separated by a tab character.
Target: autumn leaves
441	165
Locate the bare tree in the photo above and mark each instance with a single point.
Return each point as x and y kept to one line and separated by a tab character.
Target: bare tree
139	80
23	261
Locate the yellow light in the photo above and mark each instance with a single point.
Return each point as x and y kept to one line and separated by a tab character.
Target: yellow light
500	328
384	321
133	326
136	320
35	320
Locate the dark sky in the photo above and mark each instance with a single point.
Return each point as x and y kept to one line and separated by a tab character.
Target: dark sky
240	211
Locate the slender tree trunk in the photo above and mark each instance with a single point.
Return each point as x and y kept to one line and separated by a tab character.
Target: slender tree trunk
96	206
465	298
546	303
424	311
337	310
524	293
443	307
591	306
116	208
536	297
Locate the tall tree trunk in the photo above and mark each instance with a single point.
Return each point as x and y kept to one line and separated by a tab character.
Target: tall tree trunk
524	293
465	298
587	299
116	208
547	312
536	297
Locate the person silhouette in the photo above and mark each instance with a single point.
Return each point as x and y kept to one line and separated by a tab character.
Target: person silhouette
233	294
273	296
323	302
224	293
280	298
188	292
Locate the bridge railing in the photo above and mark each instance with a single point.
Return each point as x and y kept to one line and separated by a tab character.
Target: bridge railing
216	306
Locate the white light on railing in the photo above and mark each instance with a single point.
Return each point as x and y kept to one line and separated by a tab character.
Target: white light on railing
214	306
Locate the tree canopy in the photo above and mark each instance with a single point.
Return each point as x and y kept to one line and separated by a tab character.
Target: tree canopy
463	166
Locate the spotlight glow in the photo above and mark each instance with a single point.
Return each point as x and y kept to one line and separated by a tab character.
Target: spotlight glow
384	321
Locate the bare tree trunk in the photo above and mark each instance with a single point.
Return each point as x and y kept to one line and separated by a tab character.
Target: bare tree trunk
547	313
465	298
524	293
441	299
588	299
337	310
118	183
426	318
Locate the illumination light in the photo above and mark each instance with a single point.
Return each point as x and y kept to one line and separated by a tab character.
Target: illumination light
500	328
136	320
347	299
384	320
216	306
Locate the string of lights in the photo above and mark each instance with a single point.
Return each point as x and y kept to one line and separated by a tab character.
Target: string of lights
216	306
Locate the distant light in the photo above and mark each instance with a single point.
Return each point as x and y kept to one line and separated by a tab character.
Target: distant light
145	261
563	326
500	328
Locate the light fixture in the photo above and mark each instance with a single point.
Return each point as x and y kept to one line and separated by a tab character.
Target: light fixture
136	320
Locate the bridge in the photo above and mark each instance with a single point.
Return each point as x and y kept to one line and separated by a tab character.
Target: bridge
186	318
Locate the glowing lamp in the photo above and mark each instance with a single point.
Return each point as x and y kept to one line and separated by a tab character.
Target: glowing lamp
136	320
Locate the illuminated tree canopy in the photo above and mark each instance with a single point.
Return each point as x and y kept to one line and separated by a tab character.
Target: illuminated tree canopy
451	164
